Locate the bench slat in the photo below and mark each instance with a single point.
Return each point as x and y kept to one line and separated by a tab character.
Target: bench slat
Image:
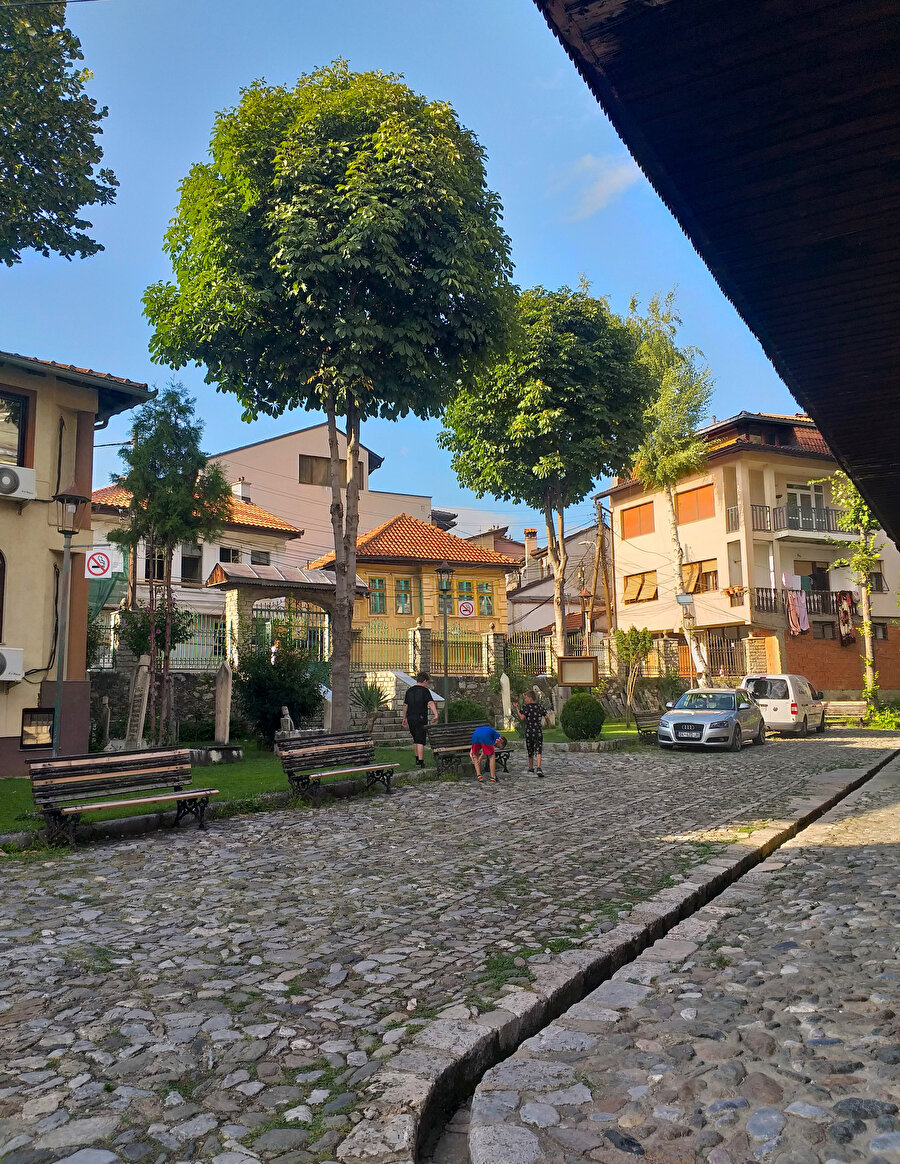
112	790
349	771
111	761
198	792
158	776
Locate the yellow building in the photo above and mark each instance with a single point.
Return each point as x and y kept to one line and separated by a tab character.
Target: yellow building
48	414
398	559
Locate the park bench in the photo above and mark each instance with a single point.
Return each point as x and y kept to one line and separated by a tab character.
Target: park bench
307	762
452	742
646	723
845	711
66	788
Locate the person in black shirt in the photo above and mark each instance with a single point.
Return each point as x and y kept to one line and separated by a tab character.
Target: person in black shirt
532	715
416	705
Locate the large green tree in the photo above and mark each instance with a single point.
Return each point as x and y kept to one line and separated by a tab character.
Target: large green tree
542	424
671	449
48	137
177	496
340	251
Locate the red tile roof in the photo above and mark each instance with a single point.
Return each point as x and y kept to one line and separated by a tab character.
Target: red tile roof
74	370
409	539
242	512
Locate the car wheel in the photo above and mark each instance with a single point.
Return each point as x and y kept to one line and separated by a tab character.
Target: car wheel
821	727
761	733
804	728
737	740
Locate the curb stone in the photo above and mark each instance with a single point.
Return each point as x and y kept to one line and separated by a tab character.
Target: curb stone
412	1094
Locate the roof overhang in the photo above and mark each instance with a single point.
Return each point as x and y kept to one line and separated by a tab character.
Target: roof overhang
114	393
772	133
232	575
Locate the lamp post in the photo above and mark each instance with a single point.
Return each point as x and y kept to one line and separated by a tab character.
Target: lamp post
69	510
445	573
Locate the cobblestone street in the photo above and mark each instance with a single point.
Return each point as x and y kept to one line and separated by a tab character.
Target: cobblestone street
764	1027
224	995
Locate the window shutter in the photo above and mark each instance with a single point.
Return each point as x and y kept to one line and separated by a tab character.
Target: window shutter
690	574
648	587
633	587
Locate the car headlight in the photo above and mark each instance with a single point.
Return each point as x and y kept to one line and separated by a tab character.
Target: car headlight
721	723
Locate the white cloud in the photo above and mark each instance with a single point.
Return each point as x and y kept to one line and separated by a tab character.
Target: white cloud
594	183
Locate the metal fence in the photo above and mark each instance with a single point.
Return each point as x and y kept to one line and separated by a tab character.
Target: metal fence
466	653
294	626
378	648
529	651
105	656
205	649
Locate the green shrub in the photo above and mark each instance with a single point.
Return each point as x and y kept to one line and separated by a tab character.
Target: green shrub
582	717
465	710
886	718
265	682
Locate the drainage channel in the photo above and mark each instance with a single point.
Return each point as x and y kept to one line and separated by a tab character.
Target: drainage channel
444	1121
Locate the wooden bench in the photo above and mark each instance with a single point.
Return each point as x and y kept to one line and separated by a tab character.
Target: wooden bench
452	742
646	723
845	711
66	788
306	762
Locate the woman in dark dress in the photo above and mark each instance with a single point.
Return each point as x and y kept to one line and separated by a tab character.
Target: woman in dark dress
532	716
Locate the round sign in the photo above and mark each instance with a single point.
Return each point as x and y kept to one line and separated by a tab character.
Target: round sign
98	564
466	608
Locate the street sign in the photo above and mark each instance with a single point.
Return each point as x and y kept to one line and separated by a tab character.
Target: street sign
467	608
98	564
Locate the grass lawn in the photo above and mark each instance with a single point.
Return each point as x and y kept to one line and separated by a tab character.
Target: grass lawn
258	772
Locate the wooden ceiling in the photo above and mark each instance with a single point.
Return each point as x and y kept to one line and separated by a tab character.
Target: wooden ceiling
771	129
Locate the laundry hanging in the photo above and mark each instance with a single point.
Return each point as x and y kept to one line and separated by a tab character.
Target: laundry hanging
845	618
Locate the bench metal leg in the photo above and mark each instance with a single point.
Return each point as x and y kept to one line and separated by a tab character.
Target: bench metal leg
503	758
379	776
196	807
60	828
301	785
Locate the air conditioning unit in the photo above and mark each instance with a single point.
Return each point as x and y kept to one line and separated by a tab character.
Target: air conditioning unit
12	664
16	483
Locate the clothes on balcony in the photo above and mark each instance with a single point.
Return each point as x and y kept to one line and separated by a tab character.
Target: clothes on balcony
795	605
845	617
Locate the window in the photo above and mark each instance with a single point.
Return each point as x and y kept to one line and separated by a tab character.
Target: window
13	417
876	582
403	595
695	504
155	567
880	631
637	520
377	596
37	727
700	577
485	598
640	587
824	630
317	471
229	554
260	558
191	562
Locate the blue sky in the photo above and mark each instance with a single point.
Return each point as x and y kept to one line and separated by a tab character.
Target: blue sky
574	202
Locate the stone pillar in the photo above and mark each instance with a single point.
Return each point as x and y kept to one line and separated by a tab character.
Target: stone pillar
137	713
506	701
223	704
104	723
419	648
668	656
238	621
493	651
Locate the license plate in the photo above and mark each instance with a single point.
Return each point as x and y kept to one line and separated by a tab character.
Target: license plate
690	735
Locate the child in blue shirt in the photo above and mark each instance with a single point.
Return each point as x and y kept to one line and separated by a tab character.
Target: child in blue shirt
484	742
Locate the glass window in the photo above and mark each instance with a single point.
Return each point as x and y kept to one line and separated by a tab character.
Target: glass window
707	701
880	630
13	415
317	471
695	504
377	596
37	728
823	630
260	558
229	554
155	567
637	520
485	598
876	582
640	587
191	562
403	595
700	577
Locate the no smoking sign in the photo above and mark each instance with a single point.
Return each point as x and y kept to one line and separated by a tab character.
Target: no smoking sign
466	608
98	564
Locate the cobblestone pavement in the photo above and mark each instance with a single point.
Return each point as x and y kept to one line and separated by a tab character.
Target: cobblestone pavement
764	1027
223	995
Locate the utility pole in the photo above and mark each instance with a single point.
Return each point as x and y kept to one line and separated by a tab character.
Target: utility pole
601	569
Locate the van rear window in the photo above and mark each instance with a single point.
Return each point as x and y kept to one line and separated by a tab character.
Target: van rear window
769	689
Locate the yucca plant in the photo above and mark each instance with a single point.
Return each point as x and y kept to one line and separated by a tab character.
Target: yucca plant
370	700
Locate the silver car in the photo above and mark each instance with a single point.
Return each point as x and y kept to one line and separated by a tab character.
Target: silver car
721	717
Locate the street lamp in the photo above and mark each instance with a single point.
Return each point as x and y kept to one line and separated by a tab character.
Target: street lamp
445	573
70	509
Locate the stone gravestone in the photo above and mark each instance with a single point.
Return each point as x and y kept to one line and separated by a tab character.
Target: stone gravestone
104	723
287	724
223	704
506	700
137	714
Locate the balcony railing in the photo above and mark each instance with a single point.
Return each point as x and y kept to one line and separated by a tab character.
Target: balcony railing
732	519
817	601
761	517
766	598
807	520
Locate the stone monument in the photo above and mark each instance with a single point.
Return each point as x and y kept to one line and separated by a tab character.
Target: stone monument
287	724
137	713
223	703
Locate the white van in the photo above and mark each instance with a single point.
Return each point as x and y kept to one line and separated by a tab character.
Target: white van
789	703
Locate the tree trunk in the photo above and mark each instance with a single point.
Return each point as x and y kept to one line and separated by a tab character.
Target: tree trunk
700	663
870	690
344	524
151	616
165	726
558	558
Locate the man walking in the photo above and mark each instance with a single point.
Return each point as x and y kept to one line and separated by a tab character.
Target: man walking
416	705
484	743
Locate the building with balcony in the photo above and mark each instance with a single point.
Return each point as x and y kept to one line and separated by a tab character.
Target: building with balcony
761	540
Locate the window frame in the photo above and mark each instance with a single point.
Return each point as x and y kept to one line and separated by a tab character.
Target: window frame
708	489
22	431
403	591
377	592
48	715
159	563
647	579
325	462
485	592
637	512
198	558
231	551
880	587
880	632
267	554
822	637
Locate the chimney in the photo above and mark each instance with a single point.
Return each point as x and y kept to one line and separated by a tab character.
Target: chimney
241	490
530	571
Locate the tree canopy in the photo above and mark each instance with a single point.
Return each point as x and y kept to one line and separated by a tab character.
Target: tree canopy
342	240
48	141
